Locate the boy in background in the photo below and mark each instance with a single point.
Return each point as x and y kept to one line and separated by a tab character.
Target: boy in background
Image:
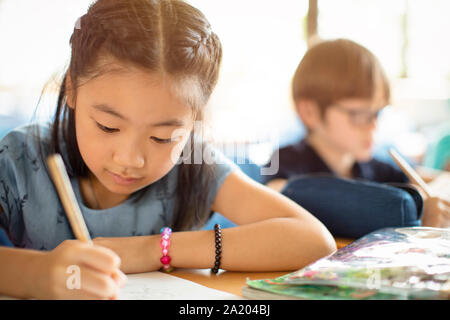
339	89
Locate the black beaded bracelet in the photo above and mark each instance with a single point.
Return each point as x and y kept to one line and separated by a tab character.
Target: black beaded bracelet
218	241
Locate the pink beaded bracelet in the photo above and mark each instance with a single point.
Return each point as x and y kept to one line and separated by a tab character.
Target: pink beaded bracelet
164	244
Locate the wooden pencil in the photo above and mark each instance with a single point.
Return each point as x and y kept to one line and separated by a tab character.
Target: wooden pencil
410	172
64	188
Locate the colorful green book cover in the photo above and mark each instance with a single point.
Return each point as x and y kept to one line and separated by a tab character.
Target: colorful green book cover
392	263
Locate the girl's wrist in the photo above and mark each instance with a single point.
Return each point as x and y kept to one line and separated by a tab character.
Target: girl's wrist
24	275
138	254
38	277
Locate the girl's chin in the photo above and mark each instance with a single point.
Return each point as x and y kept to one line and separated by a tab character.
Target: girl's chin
123	190
126	189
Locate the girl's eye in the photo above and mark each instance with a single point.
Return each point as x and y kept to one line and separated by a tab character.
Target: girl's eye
106	129
111	130
161	141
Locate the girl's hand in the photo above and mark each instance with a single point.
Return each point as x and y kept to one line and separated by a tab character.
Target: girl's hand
76	270
436	213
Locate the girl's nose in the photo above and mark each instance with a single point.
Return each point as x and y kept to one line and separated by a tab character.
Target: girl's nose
129	157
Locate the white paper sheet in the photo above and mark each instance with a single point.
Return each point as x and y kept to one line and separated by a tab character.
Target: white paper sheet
162	286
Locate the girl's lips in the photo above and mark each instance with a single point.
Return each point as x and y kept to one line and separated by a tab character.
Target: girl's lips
122	180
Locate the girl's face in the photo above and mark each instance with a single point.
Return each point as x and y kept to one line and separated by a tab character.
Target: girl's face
127	128
348	126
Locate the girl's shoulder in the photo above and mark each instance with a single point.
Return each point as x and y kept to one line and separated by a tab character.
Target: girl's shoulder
24	146
29	138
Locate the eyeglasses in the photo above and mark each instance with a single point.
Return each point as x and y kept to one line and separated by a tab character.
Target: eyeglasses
360	117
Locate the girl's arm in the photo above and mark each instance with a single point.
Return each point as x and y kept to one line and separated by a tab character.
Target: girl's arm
274	233
277	184
18	271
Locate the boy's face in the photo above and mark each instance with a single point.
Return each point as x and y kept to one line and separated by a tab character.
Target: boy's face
125	123
348	126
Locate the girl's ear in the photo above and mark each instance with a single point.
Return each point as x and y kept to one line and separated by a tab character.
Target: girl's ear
69	91
309	113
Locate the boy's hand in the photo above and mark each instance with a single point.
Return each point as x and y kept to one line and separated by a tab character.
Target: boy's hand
76	270
436	212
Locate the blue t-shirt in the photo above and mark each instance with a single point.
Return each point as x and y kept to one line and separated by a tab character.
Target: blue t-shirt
33	216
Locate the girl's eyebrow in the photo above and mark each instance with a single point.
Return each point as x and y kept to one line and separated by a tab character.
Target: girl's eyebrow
167	123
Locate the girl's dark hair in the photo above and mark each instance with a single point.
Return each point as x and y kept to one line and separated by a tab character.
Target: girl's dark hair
169	37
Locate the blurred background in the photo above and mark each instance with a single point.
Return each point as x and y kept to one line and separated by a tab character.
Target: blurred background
263	43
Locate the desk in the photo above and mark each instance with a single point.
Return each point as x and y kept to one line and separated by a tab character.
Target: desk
230	281
342	242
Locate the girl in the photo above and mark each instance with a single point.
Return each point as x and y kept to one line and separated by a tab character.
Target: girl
140	75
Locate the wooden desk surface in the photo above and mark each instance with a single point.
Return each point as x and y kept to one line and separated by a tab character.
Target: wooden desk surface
230	281
342	242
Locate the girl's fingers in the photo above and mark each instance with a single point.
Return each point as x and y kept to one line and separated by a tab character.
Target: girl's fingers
97	284
120	278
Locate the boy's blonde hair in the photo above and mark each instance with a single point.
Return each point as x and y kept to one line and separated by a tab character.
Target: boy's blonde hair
338	69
